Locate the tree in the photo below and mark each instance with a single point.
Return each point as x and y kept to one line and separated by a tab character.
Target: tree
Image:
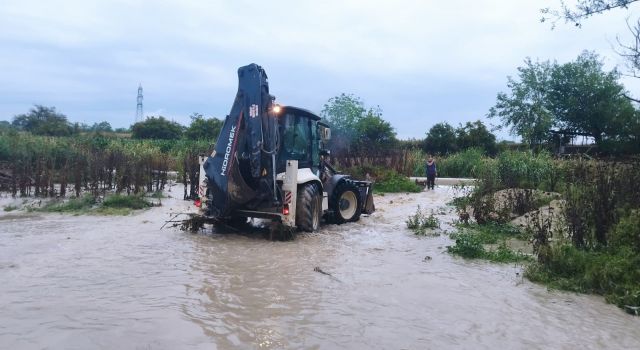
524	110
475	134
577	96
354	125
4	125
583	97
101	127
43	120
156	128
441	139
203	129
374	134
343	112
584	9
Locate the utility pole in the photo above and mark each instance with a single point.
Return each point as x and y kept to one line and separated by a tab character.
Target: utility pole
139	114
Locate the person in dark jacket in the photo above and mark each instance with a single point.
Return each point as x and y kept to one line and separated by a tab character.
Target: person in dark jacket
432	172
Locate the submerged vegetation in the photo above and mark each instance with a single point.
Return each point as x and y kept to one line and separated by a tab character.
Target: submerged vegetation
115	204
472	241
471	245
43	166
589	242
421	223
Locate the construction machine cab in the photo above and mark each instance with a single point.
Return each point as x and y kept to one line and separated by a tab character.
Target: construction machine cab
302	137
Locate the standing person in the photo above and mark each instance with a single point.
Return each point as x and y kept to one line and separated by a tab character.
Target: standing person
432	172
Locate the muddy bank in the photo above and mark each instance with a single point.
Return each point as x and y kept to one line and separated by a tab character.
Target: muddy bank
120	282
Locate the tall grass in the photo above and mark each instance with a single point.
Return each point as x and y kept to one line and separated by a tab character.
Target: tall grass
54	166
596	247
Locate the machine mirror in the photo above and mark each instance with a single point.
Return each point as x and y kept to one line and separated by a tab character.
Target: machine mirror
325	133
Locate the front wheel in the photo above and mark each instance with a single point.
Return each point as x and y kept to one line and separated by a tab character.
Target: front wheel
308	207
345	203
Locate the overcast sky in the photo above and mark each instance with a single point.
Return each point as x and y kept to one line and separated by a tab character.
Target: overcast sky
422	62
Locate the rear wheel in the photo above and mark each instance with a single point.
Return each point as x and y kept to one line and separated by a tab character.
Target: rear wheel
308	207
345	203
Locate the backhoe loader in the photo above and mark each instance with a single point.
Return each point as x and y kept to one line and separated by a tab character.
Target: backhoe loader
271	162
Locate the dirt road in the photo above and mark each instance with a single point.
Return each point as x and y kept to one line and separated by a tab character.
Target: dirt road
87	282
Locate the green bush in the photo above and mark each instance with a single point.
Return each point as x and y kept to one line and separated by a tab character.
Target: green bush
525	169
626	233
614	274
464	164
420	222
467	245
10	207
470	244
492	233
396	183
386	180
79	204
503	254
128	202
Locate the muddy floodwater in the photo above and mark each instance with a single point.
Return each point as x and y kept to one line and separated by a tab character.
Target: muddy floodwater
91	282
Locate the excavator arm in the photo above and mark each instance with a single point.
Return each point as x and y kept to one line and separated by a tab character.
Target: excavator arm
242	166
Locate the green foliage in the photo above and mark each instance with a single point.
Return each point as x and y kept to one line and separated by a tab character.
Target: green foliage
492	233
504	254
463	164
129	202
43	120
95	164
420	222
598	194
158	195
612	273
115	204
385	180
585	98
355	128
476	135
392	182
441	139
582	9
524	169
101	127
10	208
374	133
598	252
343	112
576	96
525	109
202	128
470	245
156	128
74	205
626	233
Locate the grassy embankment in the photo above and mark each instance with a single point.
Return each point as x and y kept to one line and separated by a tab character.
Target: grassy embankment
589	243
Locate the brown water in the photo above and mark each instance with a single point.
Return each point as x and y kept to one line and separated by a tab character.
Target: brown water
102	282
